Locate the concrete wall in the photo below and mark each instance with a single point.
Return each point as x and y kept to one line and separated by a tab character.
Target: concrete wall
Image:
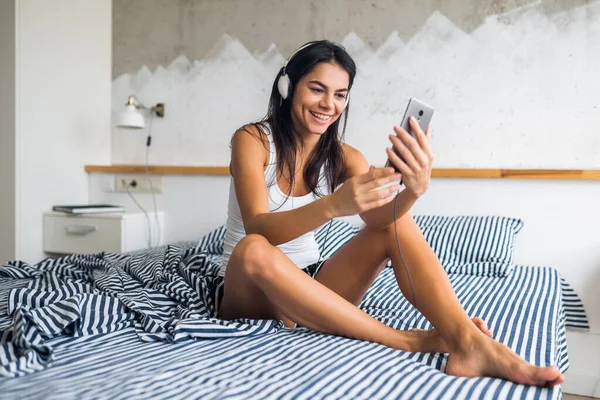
514	84
155	32
7	130
505	89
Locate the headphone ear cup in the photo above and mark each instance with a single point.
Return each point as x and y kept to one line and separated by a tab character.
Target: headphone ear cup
283	85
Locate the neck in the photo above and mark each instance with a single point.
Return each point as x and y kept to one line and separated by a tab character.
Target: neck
308	142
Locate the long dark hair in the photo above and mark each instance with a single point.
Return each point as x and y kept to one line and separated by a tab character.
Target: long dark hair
328	151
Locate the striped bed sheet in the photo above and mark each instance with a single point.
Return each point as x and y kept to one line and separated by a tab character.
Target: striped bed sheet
136	340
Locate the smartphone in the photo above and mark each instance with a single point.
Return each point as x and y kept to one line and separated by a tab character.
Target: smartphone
422	112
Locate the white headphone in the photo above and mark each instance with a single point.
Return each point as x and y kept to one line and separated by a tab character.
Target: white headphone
284	85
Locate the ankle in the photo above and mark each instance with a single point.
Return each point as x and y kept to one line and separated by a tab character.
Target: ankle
405	341
463	340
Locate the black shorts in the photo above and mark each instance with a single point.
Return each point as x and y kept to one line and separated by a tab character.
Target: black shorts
312	270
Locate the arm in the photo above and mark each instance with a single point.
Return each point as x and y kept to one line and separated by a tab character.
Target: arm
248	159
416	173
383	216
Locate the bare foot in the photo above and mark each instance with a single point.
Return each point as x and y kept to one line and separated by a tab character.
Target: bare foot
433	342
484	356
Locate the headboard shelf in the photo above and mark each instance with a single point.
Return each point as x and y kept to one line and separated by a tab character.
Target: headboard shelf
556	174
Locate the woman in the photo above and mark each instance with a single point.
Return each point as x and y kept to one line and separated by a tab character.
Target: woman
284	172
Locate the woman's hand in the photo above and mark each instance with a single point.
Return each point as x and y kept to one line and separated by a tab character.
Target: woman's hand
416	169
359	193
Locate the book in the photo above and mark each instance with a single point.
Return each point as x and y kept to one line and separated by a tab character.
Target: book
89	209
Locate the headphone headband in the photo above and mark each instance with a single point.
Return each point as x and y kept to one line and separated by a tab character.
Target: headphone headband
296	52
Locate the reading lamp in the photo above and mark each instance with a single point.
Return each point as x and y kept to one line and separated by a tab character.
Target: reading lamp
132	118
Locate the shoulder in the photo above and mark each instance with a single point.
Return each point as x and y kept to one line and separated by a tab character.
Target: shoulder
250	142
251	132
356	163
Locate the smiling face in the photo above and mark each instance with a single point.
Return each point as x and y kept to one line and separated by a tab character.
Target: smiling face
319	99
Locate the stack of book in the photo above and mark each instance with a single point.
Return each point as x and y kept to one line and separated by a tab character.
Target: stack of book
89	209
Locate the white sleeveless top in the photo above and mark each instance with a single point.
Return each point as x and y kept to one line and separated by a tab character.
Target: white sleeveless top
303	250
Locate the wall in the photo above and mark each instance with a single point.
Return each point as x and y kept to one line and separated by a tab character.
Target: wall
506	86
7	131
560	230
155	32
514	83
63	63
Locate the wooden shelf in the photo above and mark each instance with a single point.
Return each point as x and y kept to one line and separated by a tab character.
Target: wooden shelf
158	169
556	174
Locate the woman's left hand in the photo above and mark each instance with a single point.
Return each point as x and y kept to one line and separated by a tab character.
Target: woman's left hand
416	169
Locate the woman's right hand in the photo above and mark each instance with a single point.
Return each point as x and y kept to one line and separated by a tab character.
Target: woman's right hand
359	193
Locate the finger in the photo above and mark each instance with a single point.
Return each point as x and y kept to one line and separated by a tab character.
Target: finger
416	128
375	195
401	144
375	173
380	202
422	138
375	183
397	161
425	145
429	136
413	146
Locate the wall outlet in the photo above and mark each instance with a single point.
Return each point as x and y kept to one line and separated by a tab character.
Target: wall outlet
139	183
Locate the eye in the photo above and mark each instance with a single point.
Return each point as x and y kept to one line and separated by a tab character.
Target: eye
316	90
341	95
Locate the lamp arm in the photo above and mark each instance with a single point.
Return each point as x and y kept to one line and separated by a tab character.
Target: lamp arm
158	109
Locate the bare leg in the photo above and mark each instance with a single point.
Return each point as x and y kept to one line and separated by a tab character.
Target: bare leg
261	282
472	352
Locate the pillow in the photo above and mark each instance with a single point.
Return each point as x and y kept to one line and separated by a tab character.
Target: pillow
474	245
471	245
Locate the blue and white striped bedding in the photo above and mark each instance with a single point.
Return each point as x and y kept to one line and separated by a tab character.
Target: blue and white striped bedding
140	326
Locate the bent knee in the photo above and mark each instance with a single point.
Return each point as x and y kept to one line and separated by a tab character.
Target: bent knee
405	220
253	254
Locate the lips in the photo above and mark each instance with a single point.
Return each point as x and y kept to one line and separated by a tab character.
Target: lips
323	118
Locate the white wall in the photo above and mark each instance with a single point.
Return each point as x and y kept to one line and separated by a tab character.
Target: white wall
561	220
520	91
7	131
63	107
561	230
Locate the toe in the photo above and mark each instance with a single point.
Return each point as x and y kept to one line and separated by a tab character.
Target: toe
482	326
555	382
548	376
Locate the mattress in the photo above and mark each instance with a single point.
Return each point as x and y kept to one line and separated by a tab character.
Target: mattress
150	331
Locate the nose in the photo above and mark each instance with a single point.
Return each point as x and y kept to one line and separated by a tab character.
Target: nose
327	101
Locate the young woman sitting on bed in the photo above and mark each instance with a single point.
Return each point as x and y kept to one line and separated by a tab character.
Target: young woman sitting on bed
284	171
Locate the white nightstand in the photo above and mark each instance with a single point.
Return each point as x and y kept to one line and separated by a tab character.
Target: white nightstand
93	233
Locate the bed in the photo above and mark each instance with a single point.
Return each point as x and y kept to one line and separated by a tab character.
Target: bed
142	325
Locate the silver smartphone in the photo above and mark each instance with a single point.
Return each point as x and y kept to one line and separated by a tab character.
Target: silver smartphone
422	112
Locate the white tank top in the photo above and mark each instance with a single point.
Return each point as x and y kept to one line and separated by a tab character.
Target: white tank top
303	250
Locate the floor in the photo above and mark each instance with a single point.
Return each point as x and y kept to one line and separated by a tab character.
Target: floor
575	397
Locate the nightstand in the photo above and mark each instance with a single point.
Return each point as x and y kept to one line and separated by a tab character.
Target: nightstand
93	233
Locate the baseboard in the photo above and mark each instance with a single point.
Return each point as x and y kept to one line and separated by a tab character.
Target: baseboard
581	384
